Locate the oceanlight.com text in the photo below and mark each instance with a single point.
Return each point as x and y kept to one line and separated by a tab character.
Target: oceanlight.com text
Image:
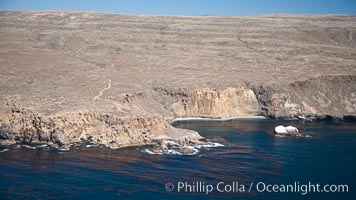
261	187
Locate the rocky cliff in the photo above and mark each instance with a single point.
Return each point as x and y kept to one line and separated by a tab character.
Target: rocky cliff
212	103
322	97
119	80
23	126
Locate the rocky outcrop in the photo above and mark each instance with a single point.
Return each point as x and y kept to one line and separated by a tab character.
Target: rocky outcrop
319	97
315	98
23	126
212	103
286	131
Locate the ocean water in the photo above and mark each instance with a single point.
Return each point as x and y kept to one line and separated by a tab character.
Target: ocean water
251	156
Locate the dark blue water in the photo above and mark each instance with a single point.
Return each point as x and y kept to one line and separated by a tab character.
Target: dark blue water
251	155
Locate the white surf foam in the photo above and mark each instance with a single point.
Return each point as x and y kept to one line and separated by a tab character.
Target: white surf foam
168	152
150	152
194	148
209	145
4	150
91	145
27	146
173	152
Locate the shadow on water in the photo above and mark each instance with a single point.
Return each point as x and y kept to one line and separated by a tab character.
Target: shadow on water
251	154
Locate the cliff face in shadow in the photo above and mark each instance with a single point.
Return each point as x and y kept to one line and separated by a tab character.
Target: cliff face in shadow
313	98
120	80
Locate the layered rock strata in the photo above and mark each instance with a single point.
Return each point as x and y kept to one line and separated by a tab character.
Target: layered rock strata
212	103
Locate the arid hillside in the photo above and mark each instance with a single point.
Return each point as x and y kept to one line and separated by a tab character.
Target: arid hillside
89	68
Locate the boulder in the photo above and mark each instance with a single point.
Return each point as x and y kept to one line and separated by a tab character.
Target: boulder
286	131
280	129
292	129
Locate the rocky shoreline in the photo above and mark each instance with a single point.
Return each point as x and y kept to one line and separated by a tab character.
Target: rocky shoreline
121	80
20	125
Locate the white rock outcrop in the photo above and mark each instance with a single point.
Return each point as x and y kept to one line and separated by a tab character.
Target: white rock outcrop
286	130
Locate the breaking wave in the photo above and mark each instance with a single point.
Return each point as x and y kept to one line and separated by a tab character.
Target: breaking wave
194	149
